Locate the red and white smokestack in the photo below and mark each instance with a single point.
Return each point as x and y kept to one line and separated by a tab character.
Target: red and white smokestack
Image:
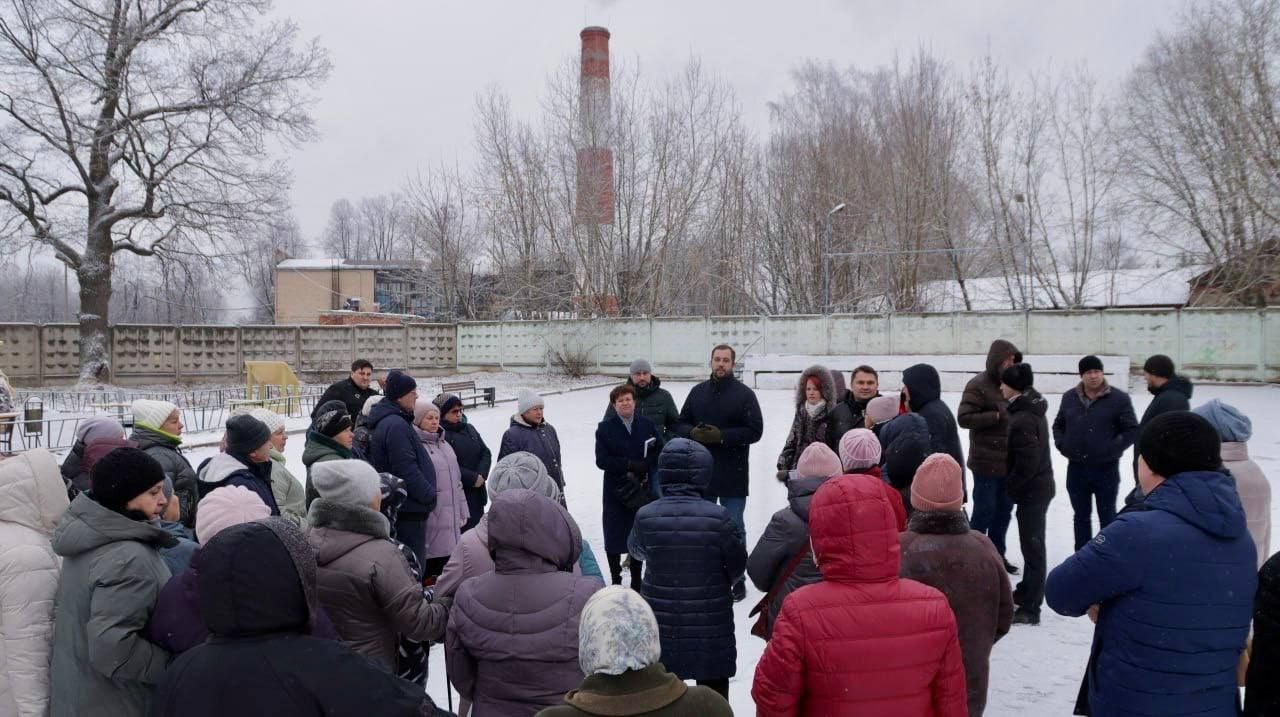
595	158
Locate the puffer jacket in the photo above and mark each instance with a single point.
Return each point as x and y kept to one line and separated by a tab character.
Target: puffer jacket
785	537
925	389
1262	691
540	440
939	550
694	553
444	526
982	411
1175	578
366	587
288	492
656	404
901	425
1174	395
474	460
806	429
862	641
727	404
1029	471
1255	494
224	470
318	449
1094	432
164	448
112	573
394	448
32	499
512	640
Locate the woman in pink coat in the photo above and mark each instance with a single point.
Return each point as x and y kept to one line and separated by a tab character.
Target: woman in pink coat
444	524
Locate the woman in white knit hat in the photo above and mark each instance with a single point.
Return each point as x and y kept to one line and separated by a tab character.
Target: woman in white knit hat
530	432
157	429
289	493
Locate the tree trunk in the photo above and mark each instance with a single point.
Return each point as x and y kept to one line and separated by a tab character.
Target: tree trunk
94	275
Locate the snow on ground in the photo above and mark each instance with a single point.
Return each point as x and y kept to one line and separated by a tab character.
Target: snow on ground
1034	670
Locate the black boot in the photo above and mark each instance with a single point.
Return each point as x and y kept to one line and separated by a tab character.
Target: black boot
615	567
637	568
1024	616
1010	567
739	590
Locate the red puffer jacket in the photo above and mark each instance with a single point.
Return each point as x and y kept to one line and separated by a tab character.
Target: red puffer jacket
863	641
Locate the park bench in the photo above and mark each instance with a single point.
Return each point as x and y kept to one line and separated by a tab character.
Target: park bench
471	396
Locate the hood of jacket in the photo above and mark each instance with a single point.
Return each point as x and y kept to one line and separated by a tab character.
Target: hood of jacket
87	525
384	409
800	494
337	528
1030	400
854	530
222	465
901	425
521	469
530	533
319	446
999	351
240	566
684	468
32	493
1205	499
147	437
825	385
923	383
1178	383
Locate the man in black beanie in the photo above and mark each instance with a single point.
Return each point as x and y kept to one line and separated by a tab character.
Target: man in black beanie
1172	392
1029	481
1171	583
1094	426
246	462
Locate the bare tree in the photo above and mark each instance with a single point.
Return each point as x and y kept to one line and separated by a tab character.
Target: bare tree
137	127
341	237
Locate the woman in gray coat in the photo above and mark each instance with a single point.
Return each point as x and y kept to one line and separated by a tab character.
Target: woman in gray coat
112	573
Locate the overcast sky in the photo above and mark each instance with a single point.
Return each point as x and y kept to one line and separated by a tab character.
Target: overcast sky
406	73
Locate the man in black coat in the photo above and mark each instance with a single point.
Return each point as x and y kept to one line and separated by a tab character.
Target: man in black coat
1029	480
353	391
1094	426
923	388
1172	393
396	449
1262	692
724	415
866	386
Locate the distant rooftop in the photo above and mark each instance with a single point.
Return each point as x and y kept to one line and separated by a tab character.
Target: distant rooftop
340	264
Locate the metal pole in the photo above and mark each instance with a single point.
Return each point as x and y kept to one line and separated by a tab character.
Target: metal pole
826	269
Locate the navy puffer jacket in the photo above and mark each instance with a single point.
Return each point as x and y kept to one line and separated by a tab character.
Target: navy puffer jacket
925	389
693	553
1175	579
396	449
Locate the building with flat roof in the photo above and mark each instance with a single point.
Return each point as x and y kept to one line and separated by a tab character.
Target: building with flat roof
307	287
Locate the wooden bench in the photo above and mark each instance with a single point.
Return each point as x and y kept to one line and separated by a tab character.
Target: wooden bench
471	396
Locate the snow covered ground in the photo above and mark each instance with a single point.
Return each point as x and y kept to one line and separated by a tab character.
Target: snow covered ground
1034	670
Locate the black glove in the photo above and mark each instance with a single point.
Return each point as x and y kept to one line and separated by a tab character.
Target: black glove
784	475
639	468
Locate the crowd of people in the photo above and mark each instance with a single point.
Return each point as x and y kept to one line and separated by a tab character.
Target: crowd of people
133	582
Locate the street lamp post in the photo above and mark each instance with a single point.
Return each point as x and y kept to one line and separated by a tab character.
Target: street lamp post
1021	199
826	260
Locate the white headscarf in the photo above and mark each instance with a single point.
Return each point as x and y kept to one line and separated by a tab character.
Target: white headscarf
617	632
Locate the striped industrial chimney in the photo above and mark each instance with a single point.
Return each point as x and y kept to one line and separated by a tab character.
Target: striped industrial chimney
595	158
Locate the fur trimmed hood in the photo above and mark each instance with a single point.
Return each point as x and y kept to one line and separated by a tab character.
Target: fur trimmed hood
826	384
938	522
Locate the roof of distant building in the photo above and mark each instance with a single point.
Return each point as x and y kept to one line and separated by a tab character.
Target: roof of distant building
341	264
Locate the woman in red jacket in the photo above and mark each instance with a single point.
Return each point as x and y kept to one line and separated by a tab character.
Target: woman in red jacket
863	641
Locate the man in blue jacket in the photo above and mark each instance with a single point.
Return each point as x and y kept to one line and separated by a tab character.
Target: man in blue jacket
1094	426
1170	582
395	448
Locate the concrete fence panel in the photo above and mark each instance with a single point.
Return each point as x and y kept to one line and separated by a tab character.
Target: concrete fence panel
680	346
923	333
20	351
744	333
619	341
859	334
974	332
432	346
381	345
144	351
1139	334
325	348
1271	343
208	352
1222	343
480	343
60	351
796	335
271	343
1065	332
524	343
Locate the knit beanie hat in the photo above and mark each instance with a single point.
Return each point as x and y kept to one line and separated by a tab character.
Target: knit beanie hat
818	461
617	631
447	402
903	458
422	408
245	434
521	470
93	452
349	482
398	384
882	408
1178	442
1018	377
122	475
272	420
937	485
367	408
859	449
99	428
332	419
152	414
1159	365
225	507
636	367
527	400
1090	363
1232	425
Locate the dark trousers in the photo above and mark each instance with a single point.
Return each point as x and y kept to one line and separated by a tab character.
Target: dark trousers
1031	524
992	509
433	567
721	685
615	569
1087	485
411	529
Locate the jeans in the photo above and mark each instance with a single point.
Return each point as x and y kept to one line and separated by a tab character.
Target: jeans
736	507
992	509
1031	523
1089	484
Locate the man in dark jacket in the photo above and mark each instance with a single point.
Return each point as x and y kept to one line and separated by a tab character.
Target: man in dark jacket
923	389
246	462
866	386
263	658
695	553
1172	392
1262	692
474	458
1030	484
1171	582
353	391
652	401
724	415
395	448
983	411
1094	426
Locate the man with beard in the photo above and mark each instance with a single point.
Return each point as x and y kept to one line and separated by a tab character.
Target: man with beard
652	401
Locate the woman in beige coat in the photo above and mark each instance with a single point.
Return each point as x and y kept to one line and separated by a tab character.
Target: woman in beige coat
1235	429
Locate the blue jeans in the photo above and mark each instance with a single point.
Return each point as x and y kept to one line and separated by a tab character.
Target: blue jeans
736	507
1087	485
992	509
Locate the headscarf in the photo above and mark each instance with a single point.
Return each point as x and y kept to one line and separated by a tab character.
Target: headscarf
617	632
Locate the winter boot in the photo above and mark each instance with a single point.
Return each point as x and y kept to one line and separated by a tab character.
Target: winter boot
1009	567
739	590
1024	616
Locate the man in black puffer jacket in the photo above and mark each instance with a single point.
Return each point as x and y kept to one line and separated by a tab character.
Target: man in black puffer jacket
694	554
923	387
1030	484
1172	393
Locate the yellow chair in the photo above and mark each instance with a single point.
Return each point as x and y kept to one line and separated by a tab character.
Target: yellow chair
272	385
